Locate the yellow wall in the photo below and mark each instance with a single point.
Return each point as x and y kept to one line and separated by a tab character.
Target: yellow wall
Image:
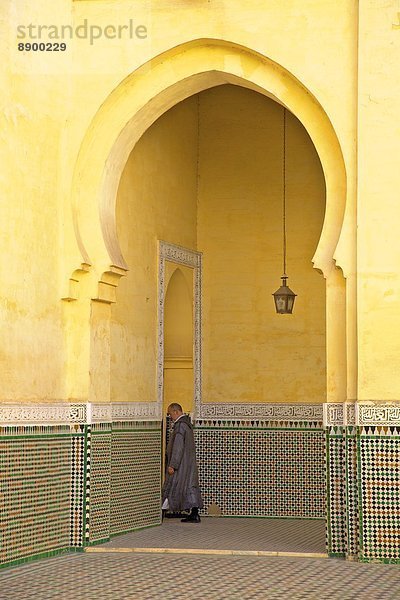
156	201
249	352
178	314
32	355
178	386
378	202
344	53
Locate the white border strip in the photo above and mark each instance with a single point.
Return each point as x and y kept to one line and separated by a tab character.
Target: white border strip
347	413
82	413
265	411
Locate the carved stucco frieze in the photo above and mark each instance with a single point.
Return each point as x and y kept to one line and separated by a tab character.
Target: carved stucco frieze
270	412
54	414
333	413
136	411
379	413
350	413
81	413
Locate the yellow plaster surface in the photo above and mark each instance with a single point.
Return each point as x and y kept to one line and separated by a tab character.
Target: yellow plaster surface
251	354
68	125
156	200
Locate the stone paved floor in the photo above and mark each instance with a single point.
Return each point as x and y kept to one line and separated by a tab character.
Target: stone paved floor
283	535
126	575
204	577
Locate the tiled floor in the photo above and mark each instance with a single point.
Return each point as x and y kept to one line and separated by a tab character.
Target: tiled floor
189	577
283	535
152	576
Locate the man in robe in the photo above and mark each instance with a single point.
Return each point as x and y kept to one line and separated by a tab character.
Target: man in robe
181	489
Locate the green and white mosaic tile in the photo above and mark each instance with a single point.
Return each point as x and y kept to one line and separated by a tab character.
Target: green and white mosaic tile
35	471
256	471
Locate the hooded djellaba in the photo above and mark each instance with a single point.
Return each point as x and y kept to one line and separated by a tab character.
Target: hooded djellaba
182	488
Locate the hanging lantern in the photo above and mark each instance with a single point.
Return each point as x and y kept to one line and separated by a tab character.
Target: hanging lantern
284	297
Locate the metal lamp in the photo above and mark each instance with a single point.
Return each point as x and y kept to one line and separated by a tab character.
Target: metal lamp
284	297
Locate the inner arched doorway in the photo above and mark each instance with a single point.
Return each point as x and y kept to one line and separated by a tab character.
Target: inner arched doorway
208	175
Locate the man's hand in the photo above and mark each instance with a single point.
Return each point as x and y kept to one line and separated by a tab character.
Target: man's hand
171	470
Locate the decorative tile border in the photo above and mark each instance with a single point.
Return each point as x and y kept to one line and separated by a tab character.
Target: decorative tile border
79	413
333	413
78	463
179	254
87	413
352	516
266	412
53	414
99	413
82	414
363	481
362	497
136	411
339	413
86	499
256	424
350	413
378	413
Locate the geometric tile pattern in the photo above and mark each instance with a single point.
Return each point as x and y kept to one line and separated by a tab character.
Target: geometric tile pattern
35	473
66	486
77	486
84	576
262	472
55	485
257	423
379	462
336	492
352	511
230	533
87	467
100	480
135	476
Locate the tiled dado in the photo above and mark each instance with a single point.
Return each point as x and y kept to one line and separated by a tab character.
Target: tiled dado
363	480
98	507
352	502
336	491
72	475
135	476
125	478
258	467
68	480
378	450
342	473
35	472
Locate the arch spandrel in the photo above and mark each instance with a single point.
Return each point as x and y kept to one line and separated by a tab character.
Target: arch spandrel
146	94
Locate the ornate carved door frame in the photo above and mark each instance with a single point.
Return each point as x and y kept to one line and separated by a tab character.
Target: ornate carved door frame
192	259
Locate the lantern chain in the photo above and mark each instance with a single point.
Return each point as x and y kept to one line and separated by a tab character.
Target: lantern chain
284	191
